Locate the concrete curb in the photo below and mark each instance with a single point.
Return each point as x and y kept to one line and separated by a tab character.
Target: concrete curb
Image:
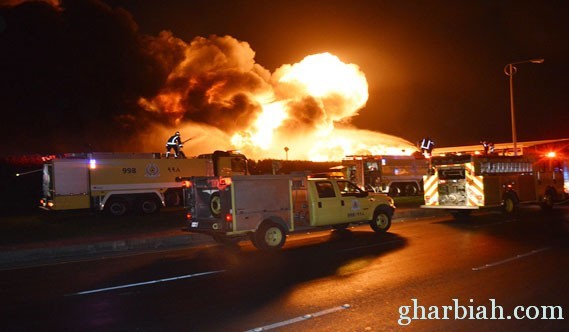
52	254
27	257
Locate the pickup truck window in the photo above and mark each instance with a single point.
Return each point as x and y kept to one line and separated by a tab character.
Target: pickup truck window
325	189
348	188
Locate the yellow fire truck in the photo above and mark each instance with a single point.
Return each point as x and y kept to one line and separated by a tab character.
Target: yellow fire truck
393	175
462	183
264	208
120	182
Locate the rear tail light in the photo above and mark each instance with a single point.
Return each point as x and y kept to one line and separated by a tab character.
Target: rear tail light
188	216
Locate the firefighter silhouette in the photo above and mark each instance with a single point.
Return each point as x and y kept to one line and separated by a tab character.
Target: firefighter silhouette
174	143
488	147
427	145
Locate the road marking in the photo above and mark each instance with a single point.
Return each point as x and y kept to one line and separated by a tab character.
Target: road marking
145	283
533	252
299	319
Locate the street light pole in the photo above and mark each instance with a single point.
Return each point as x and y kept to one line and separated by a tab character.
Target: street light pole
510	70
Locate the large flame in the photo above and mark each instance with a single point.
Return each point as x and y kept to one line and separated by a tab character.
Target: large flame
301	110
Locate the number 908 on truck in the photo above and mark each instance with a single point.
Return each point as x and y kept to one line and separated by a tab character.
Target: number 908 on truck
264	208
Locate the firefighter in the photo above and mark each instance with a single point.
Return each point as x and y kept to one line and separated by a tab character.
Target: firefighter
427	145
488	147
174	143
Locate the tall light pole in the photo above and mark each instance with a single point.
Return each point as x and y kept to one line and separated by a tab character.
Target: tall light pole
510	69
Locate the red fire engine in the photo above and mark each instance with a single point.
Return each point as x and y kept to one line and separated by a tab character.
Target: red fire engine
462	183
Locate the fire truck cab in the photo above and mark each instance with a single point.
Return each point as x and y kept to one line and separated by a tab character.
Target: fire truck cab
393	175
462	183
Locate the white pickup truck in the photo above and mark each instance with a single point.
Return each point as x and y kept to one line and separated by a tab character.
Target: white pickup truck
264	208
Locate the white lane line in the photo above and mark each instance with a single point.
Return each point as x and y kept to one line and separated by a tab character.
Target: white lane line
533	252
145	283
299	319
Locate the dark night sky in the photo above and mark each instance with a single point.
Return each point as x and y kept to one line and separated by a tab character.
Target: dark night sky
72	73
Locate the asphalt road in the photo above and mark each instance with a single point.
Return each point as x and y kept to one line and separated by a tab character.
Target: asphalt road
487	267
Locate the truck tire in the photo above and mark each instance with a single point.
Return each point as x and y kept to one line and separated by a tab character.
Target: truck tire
411	189
149	205
269	236
547	201
117	207
215	205
173	198
394	191
509	204
381	221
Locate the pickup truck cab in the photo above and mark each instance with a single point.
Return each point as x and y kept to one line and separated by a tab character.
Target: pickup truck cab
264	208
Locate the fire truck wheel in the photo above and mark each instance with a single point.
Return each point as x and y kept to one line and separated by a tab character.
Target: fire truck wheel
381	221
269	236
547	202
510	204
394	191
215	205
173	198
149	205
411	190
117	207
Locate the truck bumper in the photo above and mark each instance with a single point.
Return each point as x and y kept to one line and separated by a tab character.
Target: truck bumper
449	207
204	226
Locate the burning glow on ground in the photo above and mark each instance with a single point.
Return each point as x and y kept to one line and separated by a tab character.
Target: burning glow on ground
305	107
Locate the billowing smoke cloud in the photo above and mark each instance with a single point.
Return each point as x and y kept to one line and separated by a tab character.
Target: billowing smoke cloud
305	107
215	83
79	76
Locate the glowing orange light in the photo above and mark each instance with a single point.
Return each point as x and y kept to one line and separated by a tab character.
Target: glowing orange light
551	154
306	106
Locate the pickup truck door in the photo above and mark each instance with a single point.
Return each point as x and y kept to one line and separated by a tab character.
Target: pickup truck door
326	205
356	202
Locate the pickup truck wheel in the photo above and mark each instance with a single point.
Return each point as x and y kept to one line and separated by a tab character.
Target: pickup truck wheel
215	205
270	236
117	207
381	222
